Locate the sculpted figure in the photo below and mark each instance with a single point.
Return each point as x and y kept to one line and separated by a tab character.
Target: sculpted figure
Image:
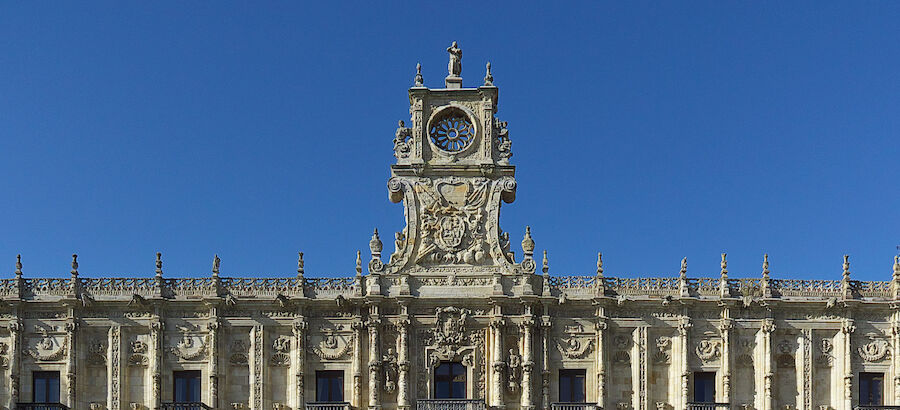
455	65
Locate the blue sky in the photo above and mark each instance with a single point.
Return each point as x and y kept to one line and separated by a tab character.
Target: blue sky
649	130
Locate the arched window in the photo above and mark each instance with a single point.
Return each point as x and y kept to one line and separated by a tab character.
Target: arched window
450	381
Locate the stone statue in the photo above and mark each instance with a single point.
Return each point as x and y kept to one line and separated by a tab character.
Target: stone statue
455	66
216	263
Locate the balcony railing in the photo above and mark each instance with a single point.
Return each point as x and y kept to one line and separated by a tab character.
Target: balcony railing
192	405
40	406
328	405
708	406
450	404
875	407
573	406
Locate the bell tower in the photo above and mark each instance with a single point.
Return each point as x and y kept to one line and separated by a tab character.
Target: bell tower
452	171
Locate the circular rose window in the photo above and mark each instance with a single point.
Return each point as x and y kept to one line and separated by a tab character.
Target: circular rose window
452	131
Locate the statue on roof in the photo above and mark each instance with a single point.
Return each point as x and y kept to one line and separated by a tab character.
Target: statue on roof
455	66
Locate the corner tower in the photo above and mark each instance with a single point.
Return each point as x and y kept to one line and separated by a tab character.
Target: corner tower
452	172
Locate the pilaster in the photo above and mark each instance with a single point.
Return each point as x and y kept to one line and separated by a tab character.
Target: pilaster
403	402
156	339
527	328
847	328
71	326
545	361
767	328
213	364
497	363
895	355
374	324
806	375
15	360
357	365
640	368
114	368
257	366
298	357
725	328
684	329
601	359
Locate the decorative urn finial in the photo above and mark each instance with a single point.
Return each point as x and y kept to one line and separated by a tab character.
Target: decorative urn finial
216	263
358	263
546	264
159	264
488	77
600	264
528	242
74	271
419	81
19	265
375	245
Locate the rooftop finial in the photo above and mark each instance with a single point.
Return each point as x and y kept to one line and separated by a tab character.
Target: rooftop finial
358	263
419	81
300	264
216	263
74	271
19	265
846	274
454	67
600	264
546	267
488	77
724	265
528	242
375	245
766	266
683	272
159	264
896	267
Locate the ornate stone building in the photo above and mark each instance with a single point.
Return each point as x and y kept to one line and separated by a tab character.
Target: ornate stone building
452	319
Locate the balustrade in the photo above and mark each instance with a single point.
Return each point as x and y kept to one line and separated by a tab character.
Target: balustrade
41	406
450	404
328	406
194	405
708	406
573	406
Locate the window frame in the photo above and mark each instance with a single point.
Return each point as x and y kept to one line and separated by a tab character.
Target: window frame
705	377
451	381
571	375
46	377
332	389
867	379
191	390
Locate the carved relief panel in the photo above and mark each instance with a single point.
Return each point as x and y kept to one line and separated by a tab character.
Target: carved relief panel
451	338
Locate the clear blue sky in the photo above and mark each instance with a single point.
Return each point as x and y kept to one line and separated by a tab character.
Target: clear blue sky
648	130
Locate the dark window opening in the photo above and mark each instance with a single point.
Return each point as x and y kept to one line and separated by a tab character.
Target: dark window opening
871	389
186	386
450	381
571	385
45	387
330	385
705	387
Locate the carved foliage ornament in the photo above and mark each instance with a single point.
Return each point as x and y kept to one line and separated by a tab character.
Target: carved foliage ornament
282	355
708	350
191	347
662	355
333	346
875	350
48	348
573	347
138	355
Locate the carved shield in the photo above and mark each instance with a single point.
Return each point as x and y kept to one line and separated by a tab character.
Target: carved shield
452	231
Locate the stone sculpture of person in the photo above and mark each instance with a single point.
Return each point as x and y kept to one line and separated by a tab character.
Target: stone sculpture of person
455	65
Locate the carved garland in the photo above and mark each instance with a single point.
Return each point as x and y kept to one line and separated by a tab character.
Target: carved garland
44	350
874	351
328	348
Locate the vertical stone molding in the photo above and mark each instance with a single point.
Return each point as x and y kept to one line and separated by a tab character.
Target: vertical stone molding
895	354
806	371
684	329
299	362
357	399
71	326
403	364
602	326
257	366
15	370
725	328
374	324
497	362
527	328
641	368
114	368
156	358
848	326
546	324
213	365
767	328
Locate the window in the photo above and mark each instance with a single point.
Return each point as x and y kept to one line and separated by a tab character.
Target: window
450	381
871	388
187	386
330	385
705	387
571	385
45	387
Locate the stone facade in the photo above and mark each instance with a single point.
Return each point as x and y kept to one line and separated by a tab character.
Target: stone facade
452	291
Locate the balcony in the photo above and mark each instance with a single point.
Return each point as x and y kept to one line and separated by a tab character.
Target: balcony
708	406
450	404
573	406
40	406
875	407
193	405
328	405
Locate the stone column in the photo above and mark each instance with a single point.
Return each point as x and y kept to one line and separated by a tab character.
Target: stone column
847	329
767	328
403	364
15	354
213	365
374	363
806	372
601	360
641	368
299	360
357	363
684	327
545	362
725	329
895	356
71	325
114	368
527	327
257	366
156	340
497	363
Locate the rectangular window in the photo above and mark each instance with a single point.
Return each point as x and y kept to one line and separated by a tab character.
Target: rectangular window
450	381
871	389
571	385
704	387
45	386
330	385
187	386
